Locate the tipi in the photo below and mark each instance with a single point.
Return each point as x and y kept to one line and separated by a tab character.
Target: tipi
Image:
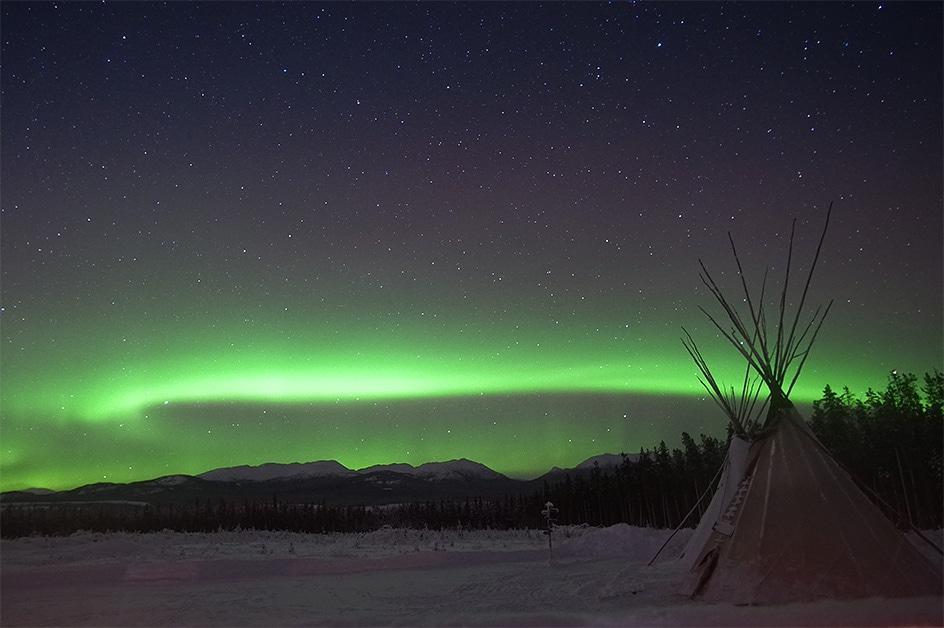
787	523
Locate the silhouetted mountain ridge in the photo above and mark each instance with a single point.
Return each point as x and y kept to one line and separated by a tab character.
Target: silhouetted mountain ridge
324	480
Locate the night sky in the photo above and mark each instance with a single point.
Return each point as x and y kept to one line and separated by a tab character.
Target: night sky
246	233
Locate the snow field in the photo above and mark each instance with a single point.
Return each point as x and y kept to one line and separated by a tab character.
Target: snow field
389	577
262	544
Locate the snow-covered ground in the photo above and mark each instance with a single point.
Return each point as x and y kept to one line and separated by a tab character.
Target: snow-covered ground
389	577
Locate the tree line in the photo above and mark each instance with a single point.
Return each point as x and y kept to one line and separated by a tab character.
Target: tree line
658	488
890	442
655	488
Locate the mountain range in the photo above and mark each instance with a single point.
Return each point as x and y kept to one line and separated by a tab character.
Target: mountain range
323	480
454	470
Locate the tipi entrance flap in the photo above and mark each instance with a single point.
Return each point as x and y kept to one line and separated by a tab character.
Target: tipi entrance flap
734	465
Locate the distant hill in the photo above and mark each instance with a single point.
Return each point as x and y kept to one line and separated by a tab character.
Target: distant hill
454	469
606	460
323	480
277	471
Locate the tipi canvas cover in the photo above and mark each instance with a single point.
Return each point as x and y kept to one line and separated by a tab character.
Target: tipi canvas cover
731	475
797	528
800	529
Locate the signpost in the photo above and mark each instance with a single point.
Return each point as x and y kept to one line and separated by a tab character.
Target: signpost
550	514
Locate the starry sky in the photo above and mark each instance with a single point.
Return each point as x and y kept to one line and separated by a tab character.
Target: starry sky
237	233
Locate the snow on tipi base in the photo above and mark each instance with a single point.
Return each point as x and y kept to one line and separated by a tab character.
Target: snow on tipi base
598	576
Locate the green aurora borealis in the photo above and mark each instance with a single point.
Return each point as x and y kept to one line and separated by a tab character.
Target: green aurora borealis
519	403
382	232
